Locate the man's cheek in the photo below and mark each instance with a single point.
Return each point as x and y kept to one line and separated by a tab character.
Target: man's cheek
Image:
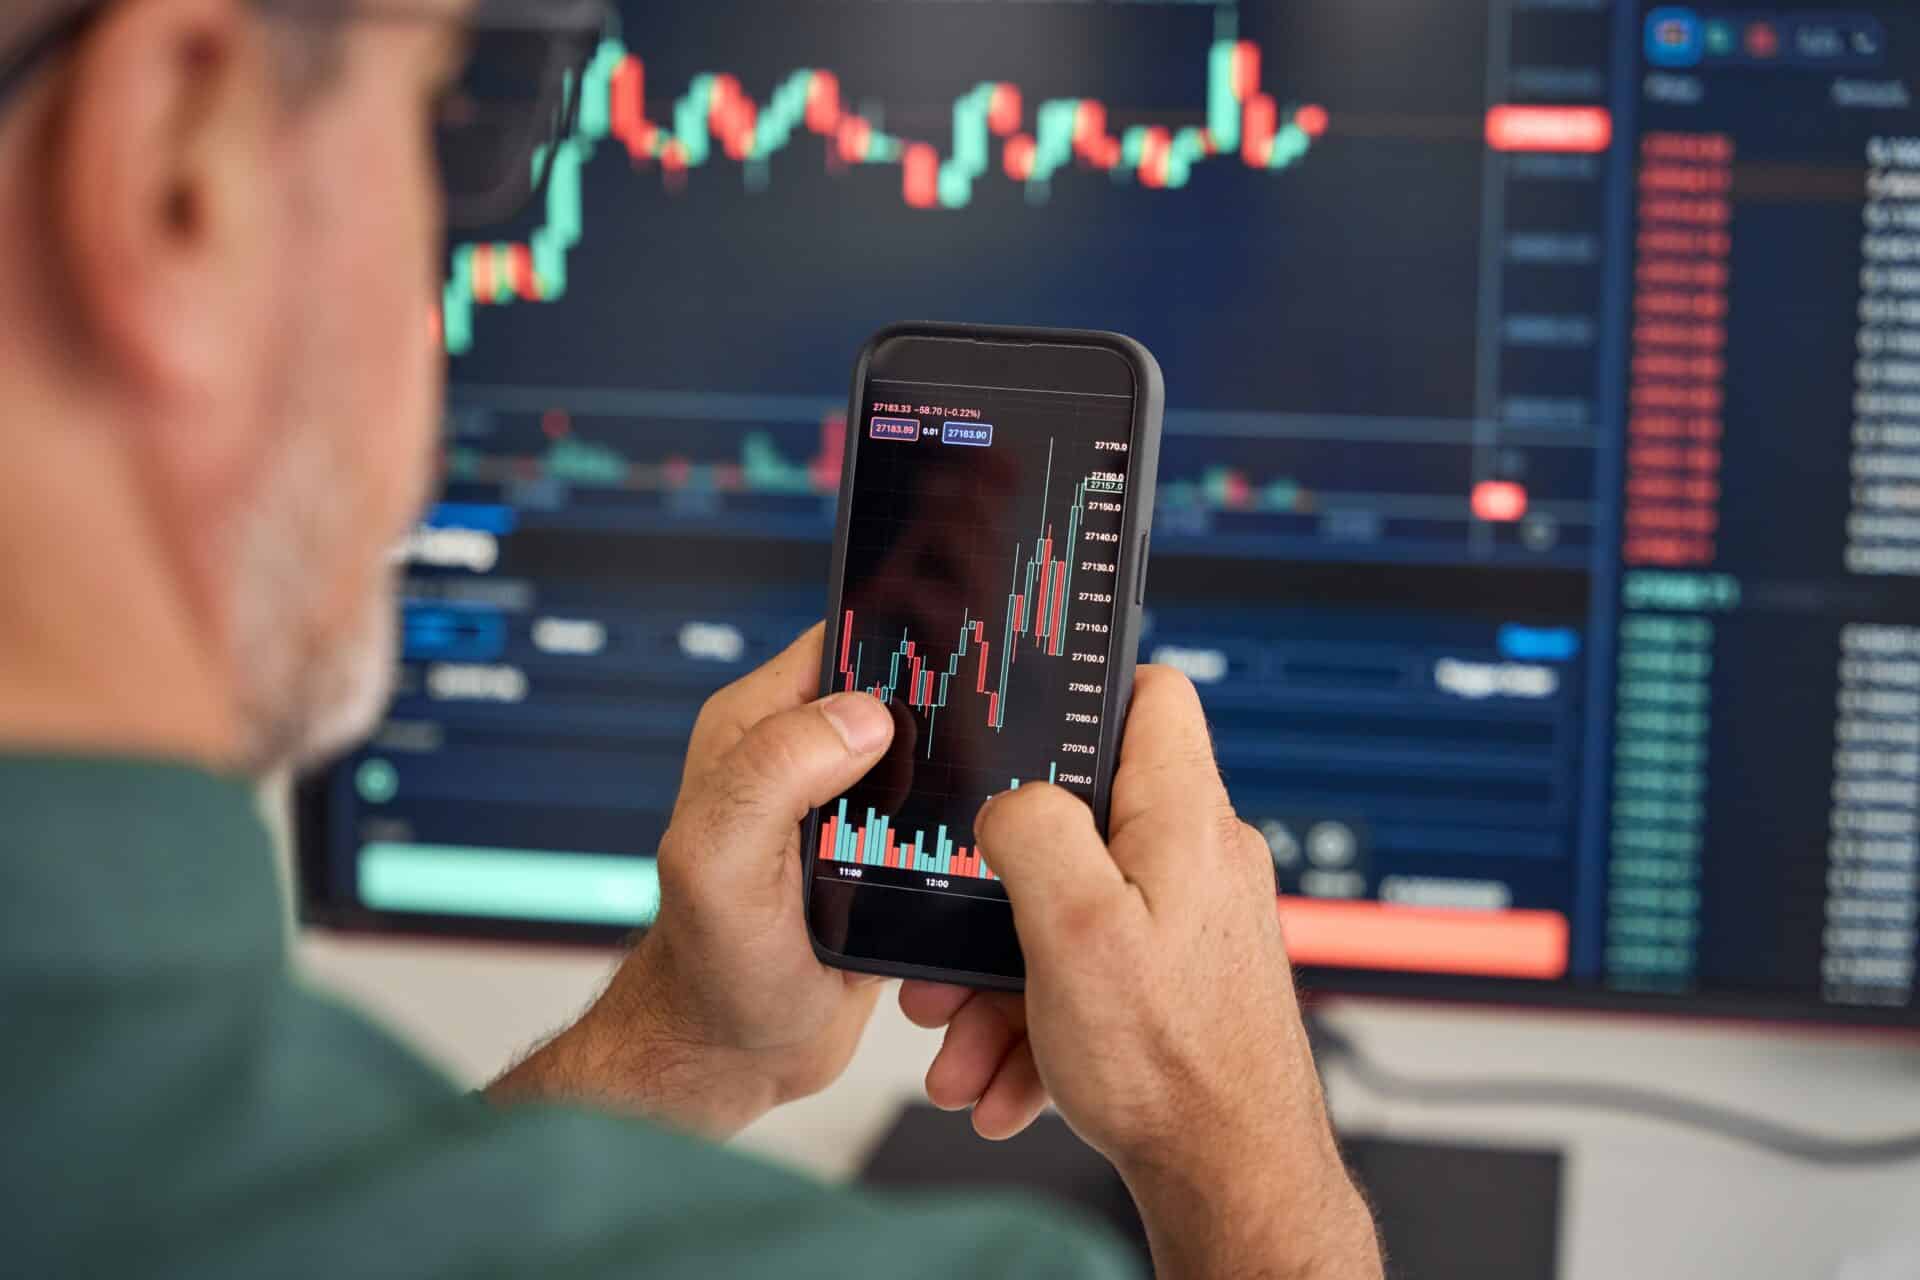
403	402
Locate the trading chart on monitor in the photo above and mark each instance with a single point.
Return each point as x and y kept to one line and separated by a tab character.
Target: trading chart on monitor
1537	511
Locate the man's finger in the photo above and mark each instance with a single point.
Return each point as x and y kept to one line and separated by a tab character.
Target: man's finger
754	795
1166	753
790	680
982	1034
1168	797
931	1004
1014	1100
1041	842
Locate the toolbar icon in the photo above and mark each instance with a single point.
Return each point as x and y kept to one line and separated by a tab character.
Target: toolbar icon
1674	38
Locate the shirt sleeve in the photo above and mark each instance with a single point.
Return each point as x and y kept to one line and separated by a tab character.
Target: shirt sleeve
731	1216
321	1147
558	1193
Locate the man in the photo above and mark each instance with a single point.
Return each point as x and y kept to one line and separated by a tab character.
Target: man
218	226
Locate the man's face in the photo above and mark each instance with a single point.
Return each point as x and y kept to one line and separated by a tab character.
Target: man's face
355	395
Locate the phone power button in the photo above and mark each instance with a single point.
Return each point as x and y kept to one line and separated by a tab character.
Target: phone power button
1140	571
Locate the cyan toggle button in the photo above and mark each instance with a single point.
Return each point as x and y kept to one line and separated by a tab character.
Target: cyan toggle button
1539	644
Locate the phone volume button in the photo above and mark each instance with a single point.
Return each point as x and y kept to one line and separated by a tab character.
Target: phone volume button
1140	571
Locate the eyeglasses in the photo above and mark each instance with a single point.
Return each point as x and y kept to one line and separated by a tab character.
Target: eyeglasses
496	129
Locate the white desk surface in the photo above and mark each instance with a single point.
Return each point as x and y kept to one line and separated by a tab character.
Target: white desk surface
1643	1200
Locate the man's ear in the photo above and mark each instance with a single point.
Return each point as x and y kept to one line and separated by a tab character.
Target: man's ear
164	213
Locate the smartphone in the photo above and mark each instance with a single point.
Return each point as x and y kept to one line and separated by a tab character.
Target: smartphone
989	571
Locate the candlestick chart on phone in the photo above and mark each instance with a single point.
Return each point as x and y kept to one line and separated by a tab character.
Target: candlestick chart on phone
979	600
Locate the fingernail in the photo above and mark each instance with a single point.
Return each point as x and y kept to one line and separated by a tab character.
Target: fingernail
864	725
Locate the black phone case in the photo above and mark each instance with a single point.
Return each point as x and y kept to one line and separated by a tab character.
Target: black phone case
1123	645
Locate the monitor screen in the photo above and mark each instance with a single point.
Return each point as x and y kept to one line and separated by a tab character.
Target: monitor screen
1539	507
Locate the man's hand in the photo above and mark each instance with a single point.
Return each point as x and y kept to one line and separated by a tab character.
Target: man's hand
1160	1013
722	1011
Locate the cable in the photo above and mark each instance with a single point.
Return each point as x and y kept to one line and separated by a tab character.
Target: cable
1333	1046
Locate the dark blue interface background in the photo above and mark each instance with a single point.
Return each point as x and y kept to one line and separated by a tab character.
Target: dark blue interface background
1539	503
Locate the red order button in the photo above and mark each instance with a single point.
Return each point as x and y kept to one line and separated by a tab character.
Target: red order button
1567	129
1377	935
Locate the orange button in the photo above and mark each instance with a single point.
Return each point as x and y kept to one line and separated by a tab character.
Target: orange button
1378	935
1574	129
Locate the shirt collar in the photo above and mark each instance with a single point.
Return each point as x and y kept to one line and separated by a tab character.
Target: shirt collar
115	867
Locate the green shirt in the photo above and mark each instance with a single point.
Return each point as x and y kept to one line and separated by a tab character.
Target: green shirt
174	1102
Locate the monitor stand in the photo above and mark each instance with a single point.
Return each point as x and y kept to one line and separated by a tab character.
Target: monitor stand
1489	1212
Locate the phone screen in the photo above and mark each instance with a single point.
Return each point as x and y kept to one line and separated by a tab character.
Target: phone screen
979	602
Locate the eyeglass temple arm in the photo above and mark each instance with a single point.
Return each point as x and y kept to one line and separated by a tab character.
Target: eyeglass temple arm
16	67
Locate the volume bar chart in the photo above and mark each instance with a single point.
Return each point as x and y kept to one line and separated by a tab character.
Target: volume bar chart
875	843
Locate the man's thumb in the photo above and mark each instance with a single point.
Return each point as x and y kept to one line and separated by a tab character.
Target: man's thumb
758	791
1040	840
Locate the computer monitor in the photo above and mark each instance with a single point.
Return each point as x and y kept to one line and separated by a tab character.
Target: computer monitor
1539	509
